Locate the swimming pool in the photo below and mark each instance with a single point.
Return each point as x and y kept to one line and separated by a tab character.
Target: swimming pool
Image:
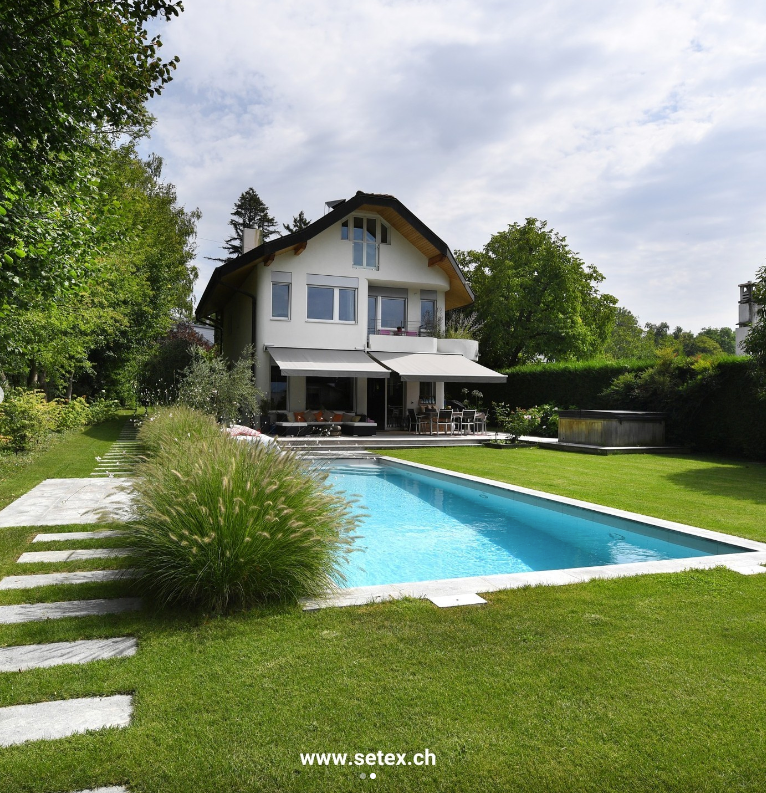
424	525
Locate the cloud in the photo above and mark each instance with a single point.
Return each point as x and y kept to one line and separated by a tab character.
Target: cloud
634	129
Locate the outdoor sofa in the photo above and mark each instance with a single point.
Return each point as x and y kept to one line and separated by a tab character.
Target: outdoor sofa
306	423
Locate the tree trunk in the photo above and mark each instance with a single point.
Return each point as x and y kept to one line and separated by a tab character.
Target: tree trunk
69	388
32	376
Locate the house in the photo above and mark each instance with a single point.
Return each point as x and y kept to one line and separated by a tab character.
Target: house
344	315
748	314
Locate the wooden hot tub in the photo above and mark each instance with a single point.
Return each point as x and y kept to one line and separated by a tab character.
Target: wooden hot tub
612	427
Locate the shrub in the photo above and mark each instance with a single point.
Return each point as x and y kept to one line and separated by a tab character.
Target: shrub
516	422
223	523
225	391
74	413
26	418
102	410
545	421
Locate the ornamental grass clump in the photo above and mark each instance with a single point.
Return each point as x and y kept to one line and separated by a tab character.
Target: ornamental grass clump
223	524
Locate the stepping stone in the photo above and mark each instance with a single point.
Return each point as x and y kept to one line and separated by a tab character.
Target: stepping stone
80	535
30	557
112	789
447	601
50	720
38	612
59	501
54	579
746	569
41	656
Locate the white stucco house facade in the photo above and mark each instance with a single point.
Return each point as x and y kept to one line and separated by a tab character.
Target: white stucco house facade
342	314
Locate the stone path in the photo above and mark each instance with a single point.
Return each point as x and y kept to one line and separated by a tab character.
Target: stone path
66	536
49	720
33	557
38	612
56	502
123	455
52	579
41	656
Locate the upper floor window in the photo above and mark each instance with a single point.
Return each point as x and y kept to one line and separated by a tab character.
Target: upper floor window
366	235
330	303
280	295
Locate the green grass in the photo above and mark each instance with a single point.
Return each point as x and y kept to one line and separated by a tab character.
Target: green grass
63	455
654	683
700	490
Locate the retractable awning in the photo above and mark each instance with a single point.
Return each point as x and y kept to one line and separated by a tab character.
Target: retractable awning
441	367
301	362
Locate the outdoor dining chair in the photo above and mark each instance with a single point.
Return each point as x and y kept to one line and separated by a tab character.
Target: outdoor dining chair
468	422
442	419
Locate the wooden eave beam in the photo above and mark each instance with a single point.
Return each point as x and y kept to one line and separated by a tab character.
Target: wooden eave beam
299	248
438	259
268	260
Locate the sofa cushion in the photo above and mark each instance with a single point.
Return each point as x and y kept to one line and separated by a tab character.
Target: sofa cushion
300	416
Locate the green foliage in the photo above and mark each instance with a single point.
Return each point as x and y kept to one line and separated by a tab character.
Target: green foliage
300	221
515	422
75	413
471	399
102	410
249	212
224	524
536	298
628	339
575	384
755	343
545	421
724	337
227	391
26	417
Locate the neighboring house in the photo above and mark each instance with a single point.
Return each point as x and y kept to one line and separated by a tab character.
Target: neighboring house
748	314
343	314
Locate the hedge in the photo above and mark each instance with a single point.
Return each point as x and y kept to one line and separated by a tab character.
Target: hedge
566	385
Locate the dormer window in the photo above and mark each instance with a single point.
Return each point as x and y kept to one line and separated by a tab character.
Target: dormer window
366	234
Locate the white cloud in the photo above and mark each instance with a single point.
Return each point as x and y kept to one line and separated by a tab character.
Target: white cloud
635	129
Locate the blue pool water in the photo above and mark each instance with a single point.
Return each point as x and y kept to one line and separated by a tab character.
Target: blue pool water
421	526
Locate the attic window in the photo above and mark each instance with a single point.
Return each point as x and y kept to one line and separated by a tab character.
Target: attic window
367	234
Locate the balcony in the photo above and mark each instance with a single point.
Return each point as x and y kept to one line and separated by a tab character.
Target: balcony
410	329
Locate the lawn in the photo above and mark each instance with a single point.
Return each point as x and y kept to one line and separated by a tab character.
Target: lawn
655	683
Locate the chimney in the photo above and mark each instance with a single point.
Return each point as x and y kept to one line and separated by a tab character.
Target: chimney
251	238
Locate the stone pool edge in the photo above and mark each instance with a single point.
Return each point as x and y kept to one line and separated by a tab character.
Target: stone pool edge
358	596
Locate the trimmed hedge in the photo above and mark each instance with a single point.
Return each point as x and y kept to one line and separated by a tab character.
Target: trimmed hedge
711	408
566	385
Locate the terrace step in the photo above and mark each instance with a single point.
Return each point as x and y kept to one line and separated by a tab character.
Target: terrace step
39	612
61	718
42	656
56	579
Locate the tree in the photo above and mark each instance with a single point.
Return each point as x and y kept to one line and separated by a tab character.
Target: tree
300	221
249	212
755	343
74	75
536	298
724	337
627	338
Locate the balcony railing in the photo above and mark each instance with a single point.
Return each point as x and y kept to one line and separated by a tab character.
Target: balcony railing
408	329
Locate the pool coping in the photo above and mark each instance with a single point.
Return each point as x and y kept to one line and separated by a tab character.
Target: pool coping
358	596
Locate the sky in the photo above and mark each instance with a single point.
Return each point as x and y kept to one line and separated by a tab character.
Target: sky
637	130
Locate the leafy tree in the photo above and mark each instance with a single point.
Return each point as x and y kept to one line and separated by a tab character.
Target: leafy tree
627	338
755	343
300	221
249	212
74	75
536	298
724	337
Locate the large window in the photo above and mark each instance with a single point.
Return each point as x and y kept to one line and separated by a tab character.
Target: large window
330	393
278	389
366	235
428	315
331	303
320	302
280	301
393	312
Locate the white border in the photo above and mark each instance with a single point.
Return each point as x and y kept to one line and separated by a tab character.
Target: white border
357	596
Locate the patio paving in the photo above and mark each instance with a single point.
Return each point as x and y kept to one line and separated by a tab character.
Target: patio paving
60	501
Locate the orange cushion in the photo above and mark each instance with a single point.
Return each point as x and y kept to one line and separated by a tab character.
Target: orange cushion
318	417
300	416
337	417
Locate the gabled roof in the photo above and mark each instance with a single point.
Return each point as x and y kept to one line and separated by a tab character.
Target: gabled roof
230	276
